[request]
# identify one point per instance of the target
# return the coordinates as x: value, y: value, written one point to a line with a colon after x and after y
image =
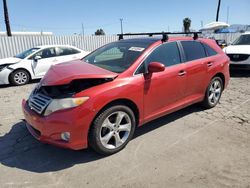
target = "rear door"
x: 196, y: 67
x: 163, y: 90
x: 65, y: 54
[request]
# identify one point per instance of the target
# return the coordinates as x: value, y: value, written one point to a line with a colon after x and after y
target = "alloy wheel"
x: 115, y: 130
x: 214, y: 92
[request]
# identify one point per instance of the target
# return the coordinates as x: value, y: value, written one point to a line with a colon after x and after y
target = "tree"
x: 186, y: 24
x: 6, y: 17
x: 99, y: 32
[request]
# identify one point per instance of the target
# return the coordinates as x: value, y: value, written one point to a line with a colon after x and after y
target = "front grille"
x: 38, y: 102
x: 238, y: 57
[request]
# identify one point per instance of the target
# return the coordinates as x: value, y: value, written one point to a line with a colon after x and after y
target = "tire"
x: 213, y: 93
x: 107, y: 136
x: 19, y: 77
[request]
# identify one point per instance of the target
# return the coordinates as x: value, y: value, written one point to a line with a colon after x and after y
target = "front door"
x: 163, y: 90
x: 47, y: 57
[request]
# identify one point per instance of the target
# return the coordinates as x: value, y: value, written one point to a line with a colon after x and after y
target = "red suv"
x: 98, y: 101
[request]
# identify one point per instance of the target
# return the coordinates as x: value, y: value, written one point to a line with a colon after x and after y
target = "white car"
x: 34, y: 63
x: 239, y: 52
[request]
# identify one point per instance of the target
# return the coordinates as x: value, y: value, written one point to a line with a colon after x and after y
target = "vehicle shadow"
x: 237, y: 73
x: 20, y: 150
x: 9, y: 85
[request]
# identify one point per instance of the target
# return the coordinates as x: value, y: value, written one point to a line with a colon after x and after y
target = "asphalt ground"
x: 189, y: 148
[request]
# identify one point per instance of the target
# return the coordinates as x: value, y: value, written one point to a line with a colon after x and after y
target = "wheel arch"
x: 122, y: 101
x: 126, y: 102
x: 222, y: 76
x: 17, y: 70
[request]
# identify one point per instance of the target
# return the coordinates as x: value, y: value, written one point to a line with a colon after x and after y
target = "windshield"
x: 26, y: 53
x: 242, y: 40
x: 116, y: 57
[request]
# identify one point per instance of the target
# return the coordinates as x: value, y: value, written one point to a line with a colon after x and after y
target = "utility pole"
x: 121, y: 20
x: 227, y: 14
x: 82, y: 30
x: 218, y: 11
x: 6, y: 17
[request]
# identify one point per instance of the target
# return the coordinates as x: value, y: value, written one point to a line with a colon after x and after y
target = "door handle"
x: 209, y: 64
x: 182, y: 73
x: 55, y: 60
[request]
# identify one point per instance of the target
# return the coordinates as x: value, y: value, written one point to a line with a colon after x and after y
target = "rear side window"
x: 210, y: 51
x: 167, y: 54
x: 193, y: 50
x: 61, y: 51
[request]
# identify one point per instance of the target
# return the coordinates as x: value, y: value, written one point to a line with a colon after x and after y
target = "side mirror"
x: 36, y: 58
x: 155, y: 67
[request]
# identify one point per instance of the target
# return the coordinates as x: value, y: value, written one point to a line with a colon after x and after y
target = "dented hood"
x: 64, y: 73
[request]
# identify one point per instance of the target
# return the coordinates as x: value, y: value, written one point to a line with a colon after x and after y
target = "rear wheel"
x: 112, y: 130
x: 19, y: 77
x: 213, y: 93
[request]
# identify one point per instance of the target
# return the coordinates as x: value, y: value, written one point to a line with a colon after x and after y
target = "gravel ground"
x: 189, y: 148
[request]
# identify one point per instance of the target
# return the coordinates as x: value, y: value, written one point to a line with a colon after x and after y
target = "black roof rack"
x: 164, y: 34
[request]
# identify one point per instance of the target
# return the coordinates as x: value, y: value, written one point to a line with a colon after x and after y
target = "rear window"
x: 210, y: 51
x: 193, y: 50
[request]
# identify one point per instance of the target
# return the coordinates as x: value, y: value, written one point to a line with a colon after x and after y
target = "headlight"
x: 60, y: 104
x: 4, y: 66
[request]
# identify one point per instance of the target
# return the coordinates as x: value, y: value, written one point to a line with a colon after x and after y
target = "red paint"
x: 154, y: 94
x: 155, y: 67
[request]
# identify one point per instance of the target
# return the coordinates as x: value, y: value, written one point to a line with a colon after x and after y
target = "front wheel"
x: 213, y: 93
x: 112, y: 130
x: 19, y: 77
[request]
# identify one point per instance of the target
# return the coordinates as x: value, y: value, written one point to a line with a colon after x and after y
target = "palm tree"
x: 218, y: 11
x: 6, y: 16
x: 186, y: 24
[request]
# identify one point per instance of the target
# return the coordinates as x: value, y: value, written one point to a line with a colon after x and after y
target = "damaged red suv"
x: 98, y: 101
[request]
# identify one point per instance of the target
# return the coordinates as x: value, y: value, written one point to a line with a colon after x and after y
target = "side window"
x: 46, y: 53
x: 167, y: 54
x: 193, y: 50
x: 61, y: 51
x: 210, y: 51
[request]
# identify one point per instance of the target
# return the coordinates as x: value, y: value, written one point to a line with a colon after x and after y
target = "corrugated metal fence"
x: 9, y: 46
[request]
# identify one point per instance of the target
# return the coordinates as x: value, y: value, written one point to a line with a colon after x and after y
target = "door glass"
x: 46, y: 53
x: 193, y: 50
x: 167, y: 54
x: 209, y: 50
x: 61, y: 51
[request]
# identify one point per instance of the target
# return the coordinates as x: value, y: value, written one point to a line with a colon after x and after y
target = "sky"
x: 66, y: 17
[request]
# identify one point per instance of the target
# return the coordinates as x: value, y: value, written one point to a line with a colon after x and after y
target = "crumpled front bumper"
x: 49, y: 129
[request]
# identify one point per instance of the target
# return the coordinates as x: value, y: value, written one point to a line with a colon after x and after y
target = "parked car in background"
x: 239, y: 52
x: 221, y: 43
x: 98, y: 101
x: 34, y: 63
